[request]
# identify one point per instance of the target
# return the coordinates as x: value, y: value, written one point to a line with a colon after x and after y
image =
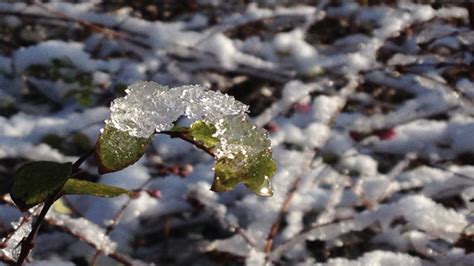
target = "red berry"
x: 302, y: 107
x: 386, y: 134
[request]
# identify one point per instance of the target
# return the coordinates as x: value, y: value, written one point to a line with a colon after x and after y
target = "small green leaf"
x: 203, y: 133
x: 226, y: 176
x: 199, y: 133
x: 260, y: 171
x: 83, y: 187
x: 61, y: 207
x: 255, y: 174
x: 35, y: 182
x: 117, y: 149
x: 250, y: 161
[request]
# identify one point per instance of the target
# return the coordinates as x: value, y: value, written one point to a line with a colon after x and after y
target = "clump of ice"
x: 87, y: 230
x: 468, y: 197
x: 255, y: 258
x: 378, y: 258
x: 238, y: 136
x: 13, y: 247
x: 149, y: 107
x: 362, y: 164
x: 43, y: 53
x: 436, y: 219
x: 223, y: 48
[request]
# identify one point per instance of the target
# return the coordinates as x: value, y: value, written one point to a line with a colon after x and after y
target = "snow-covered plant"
x: 218, y: 125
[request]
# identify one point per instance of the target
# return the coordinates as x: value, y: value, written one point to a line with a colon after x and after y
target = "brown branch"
x: 116, y: 256
x: 115, y: 222
x: 344, y: 94
x: 81, y: 160
x: 182, y: 135
x: 28, y: 243
x: 301, y: 236
x: 229, y: 224
x: 6, y: 260
x: 94, y: 27
x: 23, y: 220
x: 283, y: 211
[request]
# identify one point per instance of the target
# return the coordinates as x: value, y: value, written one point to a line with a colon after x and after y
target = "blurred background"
x: 369, y: 106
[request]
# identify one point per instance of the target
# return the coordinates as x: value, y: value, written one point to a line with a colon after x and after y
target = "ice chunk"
x: 13, y: 247
x: 43, y: 53
x: 224, y: 49
x: 378, y: 258
x: 149, y: 107
x: 238, y: 136
x: 85, y: 229
x: 435, y: 219
x: 468, y: 197
x: 255, y: 258
x: 241, y: 147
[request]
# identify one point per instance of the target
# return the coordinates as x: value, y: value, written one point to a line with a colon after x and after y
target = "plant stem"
x: 81, y: 160
x: 28, y: 243
x: 114, y: 223
x: 182, y: 135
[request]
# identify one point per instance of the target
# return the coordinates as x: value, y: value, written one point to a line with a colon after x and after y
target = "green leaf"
x: 242, y: 151
x: 255, y: 174
x: 260, y: 171
x: 203, y: 133
x: 83, y: 187
x: 35, y: 182
x: 61, y: 207
x: 226, y: 176
x: 249, y: 157
x: 117, y: 149
x: 200, y: 133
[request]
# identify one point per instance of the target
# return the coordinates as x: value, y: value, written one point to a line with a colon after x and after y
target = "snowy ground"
x: 370, y: 111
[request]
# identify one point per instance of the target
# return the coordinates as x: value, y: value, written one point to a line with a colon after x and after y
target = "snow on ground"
x: 369, y: 109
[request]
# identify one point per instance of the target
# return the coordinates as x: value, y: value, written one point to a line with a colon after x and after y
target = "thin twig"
x: 94, y: 27
x: 81, y: 160
x: 115, y: 221
x: 301, y: 236
x: 239, y: 230
x: 6, y: 260
x: 116, y: 256
x: 23, y: 220
x: 28, y: 243
x: 281, y: 215
x: 182, y: 135
x: 228, y: 223
x: 344, y: 94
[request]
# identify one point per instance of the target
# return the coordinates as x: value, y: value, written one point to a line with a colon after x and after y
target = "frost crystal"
x: 13, y: 247
x: 87, y: 230
x: 239, y: 137
x: 149, y: 107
